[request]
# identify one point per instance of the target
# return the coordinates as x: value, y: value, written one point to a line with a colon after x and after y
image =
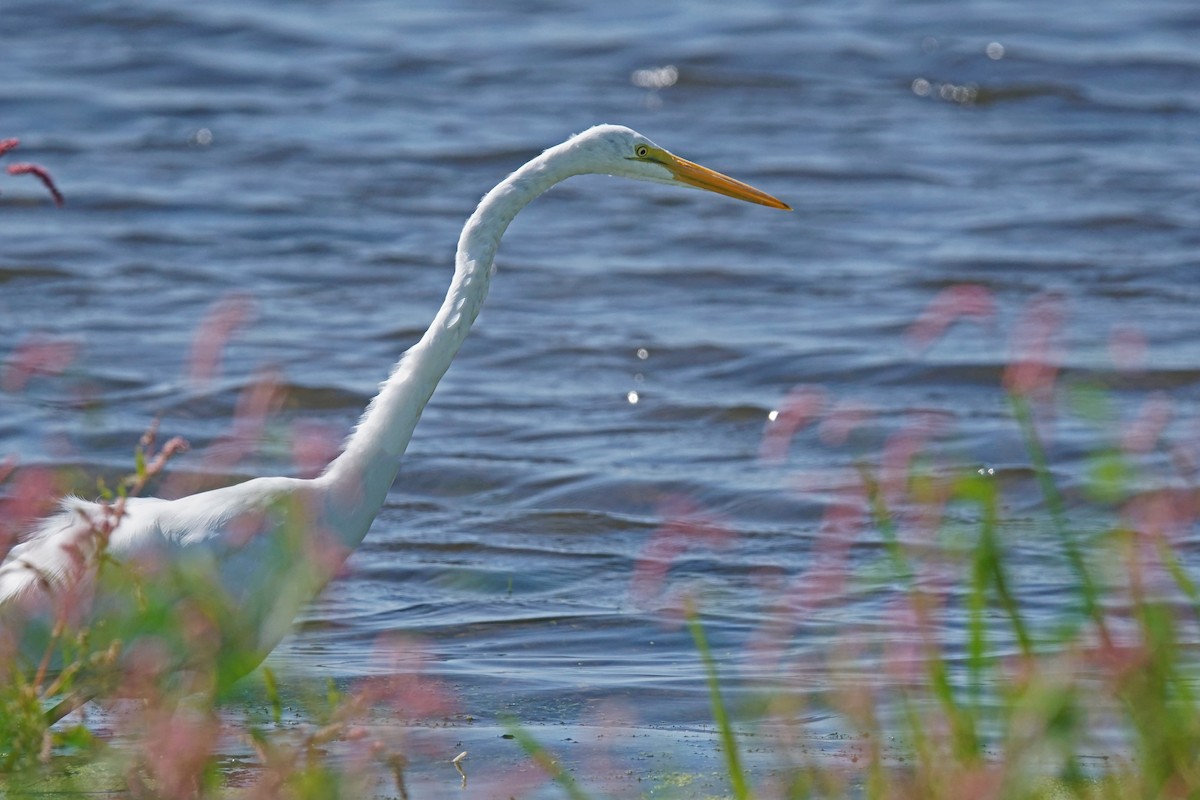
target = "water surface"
x: 313, y: 163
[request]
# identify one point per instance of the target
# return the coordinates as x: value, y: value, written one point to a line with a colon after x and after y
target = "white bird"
x: 233, y: 566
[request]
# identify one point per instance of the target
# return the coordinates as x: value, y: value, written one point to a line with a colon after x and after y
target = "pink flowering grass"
x: 965, y: 687
x: 36, y: 170
x: 957, y: 685
x: 975, y: 693
x: 1015, y: 720
x: 172, y: 733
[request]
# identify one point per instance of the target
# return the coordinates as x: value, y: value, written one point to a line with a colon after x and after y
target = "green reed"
x: 1014, y: 717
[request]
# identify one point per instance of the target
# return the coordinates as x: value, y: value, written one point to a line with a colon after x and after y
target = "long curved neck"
x: 359, y: 478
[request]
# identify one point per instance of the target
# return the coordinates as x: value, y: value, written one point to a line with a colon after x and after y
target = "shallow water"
x: 314, y: 163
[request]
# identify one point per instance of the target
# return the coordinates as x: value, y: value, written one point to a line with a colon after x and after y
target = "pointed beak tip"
x: 770, y: 201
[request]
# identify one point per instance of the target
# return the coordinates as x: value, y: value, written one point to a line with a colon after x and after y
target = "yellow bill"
x: 704, y: 178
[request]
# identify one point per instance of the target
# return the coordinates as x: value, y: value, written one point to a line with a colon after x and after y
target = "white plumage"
x: 246, y: 558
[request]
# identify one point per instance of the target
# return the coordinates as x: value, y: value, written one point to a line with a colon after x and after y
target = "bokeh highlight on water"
x: 310, y: 166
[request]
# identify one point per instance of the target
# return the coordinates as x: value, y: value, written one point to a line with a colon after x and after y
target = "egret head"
x: 617, y: 150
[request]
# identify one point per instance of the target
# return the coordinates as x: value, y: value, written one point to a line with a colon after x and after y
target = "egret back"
x: 213, y: 579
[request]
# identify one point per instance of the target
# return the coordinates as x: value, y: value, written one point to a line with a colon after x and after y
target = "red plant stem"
x: 38, y: 172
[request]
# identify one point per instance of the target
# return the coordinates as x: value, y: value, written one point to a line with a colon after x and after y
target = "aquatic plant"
x: 963, y: 686
x: 36, y: 170
x: 167, y: 740
x: 967, y: 686
x: 978, y: 691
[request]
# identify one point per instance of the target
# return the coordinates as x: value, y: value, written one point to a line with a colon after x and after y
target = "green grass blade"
x: 1057, y: 510
x: 545, y: 760
x: 887, y: 527
x: 737, y: 778
x: 977, y: 621
x: 273, y: 694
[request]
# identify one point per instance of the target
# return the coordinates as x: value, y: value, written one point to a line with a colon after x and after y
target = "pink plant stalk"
x: 824, y: 583
x: 802, y: 405
x: 1127, y: 348
x: 174, y: 749
x: 1036, y: 353
x: 314, y: 445
x: 253, y: 409
x: 224, y: 319
x: 30, y: 496
x: 685, y: 526
x: 1146, y: 431
x: 900, y: 451
x: 965, y: 301
x: 827, y: 579
x: 36, y: 356
x: 404, y: 685
x: 36, y: 170
x: 842, y: 419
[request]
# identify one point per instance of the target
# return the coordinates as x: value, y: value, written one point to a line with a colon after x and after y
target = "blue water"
x: 315, y: 161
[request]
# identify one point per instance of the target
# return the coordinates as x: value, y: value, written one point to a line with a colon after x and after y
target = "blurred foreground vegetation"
x: 974, y: 691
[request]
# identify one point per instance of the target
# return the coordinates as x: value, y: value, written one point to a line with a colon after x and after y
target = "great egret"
x: 244, y: 559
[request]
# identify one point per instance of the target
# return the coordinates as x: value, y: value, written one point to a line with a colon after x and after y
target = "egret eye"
x: 641, y: 151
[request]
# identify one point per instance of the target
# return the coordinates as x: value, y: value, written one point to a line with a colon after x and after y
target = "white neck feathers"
x: 361, y: 476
